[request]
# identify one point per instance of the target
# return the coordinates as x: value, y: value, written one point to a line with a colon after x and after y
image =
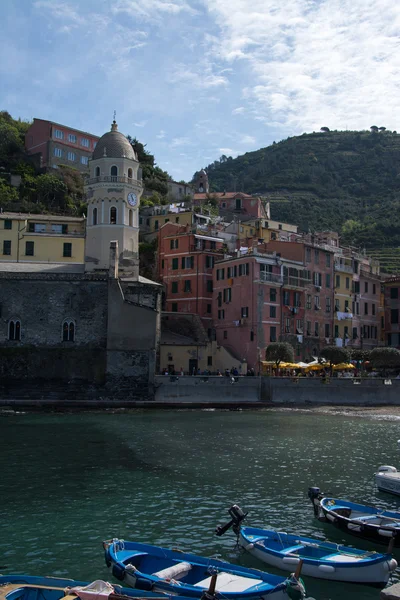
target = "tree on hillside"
x: 325, y: 129
x: 385, y: 358
x: 279, y: 352
x: 335, y: 355
x: 382, y: 128
x: 374, y: 129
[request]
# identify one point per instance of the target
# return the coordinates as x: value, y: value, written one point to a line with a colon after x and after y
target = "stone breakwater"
x: 204, y: 391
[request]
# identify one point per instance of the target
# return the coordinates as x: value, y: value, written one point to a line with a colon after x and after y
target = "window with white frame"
x: 84, y: 160
x: 71, y: 156
x: 58, y: 152
x: 58, y: 134
x: 85, y: 142
x: 72, y: 138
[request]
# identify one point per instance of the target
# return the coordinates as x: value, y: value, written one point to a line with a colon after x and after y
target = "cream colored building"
x: 185, y: 345
x: 265, y: 229
x: 42, y: 238
x: 113, y: 194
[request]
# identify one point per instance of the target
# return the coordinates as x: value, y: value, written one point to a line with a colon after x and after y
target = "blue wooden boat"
x: 320, y: 559
x: 27, y: 587
x: 163, y: 570
x: 368, y: 522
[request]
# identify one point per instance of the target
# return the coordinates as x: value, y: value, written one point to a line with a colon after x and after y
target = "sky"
x: 197, y: 79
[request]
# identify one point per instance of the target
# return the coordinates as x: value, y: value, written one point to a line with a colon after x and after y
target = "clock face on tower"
x: 132, y: 199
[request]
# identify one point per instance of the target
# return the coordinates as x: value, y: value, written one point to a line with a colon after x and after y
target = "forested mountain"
x: 348, y: 181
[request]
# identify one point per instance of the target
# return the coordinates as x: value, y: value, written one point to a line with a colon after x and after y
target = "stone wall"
x: 42, y: 304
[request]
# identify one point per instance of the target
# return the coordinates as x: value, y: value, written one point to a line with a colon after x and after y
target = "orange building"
x: 185, y: 267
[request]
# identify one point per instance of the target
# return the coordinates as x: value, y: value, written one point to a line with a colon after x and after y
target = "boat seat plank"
x: 229, y: 582
x: 343, y: 558
x: 292, y: 549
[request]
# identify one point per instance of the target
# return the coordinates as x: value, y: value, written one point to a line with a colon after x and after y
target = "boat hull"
x: 388, y: 482
x: 376, y: 575
x: 244, y: 584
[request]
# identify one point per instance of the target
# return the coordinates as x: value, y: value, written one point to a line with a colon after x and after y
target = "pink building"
x: 56, y: 144
x: 247, y: 305
x: 234, y: 203
x: 185, y: 267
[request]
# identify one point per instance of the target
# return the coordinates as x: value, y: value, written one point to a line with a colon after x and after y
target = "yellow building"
x: 149, y: 225
x: 266, y: 230
x: 343, y: 298
x: 185, y: 346
x: 42, y: 238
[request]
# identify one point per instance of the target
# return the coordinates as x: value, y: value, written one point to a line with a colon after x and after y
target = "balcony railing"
x: 343, y: 268
x: 273, y: 277
x: 114, y: 179
x: 198, y: 248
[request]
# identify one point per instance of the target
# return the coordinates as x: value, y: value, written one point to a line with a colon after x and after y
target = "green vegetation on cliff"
x: 348, y: 181
x: 59, y: 190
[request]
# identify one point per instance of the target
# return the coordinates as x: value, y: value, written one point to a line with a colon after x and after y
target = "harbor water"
x: 69, y: 481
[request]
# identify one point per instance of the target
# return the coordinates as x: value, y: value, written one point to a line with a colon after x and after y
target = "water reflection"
x: 69, y: 481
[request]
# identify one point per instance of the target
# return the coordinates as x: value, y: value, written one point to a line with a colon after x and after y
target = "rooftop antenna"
x: 115, y: 115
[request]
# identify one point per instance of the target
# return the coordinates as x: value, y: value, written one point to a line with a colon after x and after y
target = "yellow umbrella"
x: 342, y: 366
x: 317, y: 367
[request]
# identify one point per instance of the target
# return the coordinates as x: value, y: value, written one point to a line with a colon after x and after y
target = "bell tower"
x: 113, y: 193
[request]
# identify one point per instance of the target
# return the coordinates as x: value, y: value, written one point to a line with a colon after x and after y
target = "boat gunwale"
x: 368, y: 562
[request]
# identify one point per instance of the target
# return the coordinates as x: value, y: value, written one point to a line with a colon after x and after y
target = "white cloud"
x: 248, y: 139
x: 152, y: 10
x: 239, y: 110
x: 180, y: 141
x: 161, y: 135
x: 140, y: 124
x: 331, y: 62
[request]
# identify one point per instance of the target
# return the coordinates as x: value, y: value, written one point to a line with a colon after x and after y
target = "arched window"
x: 14, y: 330
x: 94, y: 218
x: 97, y: 172
x: 130, y: 218
x: 113, y: 215
x: 114, y: 173
x: 130, y: 173
x: 68, y: 331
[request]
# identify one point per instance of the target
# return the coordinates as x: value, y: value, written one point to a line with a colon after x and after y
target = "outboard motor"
x: 315, y: 495
x: 237, y: 517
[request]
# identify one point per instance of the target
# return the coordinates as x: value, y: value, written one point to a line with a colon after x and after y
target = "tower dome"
x: 113, y: 144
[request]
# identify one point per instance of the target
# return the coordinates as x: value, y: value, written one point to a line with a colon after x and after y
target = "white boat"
x: 387, y: 479
x: 315, y: 558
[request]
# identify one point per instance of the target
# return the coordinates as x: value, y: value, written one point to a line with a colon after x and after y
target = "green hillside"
x: 57, y: 190
x: 348, y: 181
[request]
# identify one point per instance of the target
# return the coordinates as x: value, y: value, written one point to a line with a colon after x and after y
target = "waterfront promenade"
x: 209, y: 391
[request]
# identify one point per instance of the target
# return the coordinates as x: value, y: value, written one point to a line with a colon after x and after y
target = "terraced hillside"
x: 348, y: 181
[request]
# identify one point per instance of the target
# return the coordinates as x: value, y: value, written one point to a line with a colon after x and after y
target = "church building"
x: 84, y: 331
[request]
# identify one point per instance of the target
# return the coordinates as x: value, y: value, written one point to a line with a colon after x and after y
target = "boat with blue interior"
x: 28, y: 587
x: 375, y: 524
x: 162, y: 570
x: 318, y: 558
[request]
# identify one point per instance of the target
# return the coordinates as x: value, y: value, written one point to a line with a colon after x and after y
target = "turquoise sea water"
x: 68, y: 481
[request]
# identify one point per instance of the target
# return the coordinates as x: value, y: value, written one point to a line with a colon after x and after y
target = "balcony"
x: 114, y: 179
x: 271, y: 277
x: 343, y: 268
x: 200, y: 248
